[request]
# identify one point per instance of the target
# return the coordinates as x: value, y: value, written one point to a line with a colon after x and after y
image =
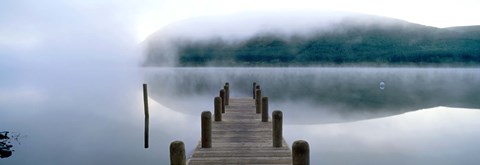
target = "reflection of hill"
x: 438, y: 135
x: 319, y: 95
x: 368, y: 39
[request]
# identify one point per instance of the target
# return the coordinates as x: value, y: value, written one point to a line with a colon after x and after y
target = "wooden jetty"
x: 241, y: 132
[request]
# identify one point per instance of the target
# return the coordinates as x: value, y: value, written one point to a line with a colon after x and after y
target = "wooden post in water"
x: 258, y: 101
x: 145, y: 100
x: 147, y: 116
x: 300, y: 153
x: 227, y: 91
x: 177, y: 153
x: 218, y: 108
x: 277, y: 120
x: 254, y: 87
x: 206, y: 129
x: 264, y: 109
x: 145, y: 135
x: 222, y: 95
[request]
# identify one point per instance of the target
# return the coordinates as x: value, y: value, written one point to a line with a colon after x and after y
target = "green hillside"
x: 353, y: 44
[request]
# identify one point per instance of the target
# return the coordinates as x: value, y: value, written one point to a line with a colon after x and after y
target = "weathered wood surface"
x: 241, y: 138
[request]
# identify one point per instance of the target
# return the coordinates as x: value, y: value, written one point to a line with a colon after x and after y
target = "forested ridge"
x: 411, y: 44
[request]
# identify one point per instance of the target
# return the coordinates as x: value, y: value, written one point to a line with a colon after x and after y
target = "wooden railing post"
x: 258, y: 101
x: 227, y: 93
x: 222, y: 95
x: 277, y: 120
x: 206, y: 129
x: 177, y: 153
x: 264, y: 109
x: 253, y: 89
x: 300, y: 153
x: 218, y: 108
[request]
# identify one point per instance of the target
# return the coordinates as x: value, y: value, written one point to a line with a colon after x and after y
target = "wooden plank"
x: 241, y: 138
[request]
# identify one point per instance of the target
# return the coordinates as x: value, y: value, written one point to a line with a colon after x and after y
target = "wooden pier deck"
x: 241, y: 138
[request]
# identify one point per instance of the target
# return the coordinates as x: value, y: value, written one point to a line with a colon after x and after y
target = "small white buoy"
x: 382, y: 85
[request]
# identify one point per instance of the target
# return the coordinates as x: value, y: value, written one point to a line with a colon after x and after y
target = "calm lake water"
x: 320, y: 95
x: 348, y: 115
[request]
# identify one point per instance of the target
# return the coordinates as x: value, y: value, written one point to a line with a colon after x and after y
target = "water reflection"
x: 437, y: 136
x: 323, y: 94
x: 382, y: 85
x: 85, y: 117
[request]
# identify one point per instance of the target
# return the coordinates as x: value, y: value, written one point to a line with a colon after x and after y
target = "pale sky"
x: 86, y: 29
x: 438, y: 13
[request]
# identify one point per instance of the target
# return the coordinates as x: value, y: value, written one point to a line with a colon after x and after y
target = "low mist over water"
x: 319, y: 95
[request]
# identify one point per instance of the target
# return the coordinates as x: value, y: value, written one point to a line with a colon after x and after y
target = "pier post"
x: 253, y: 89
x: 258, y: 101
x: 277, y: 120
x: 264, y: 109
x: 226, y: 87
x: 218, y: 108
x: 177, y: 153
x: 145, y: 100
x: 206, y: 129
x: 147, y: 116
x: 300, y: 153
x: 222, y: 95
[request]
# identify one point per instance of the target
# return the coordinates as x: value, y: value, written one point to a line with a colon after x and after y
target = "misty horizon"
x: 309, y: 39
x: 341, y: 71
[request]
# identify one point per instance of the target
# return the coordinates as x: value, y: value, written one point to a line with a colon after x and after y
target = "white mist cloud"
x: 432, y: 13
x: 110, y: 30
x: 28, y: 95
x: 72, y: 33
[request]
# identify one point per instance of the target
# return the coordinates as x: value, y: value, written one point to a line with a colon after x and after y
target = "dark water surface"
x: 95, y: 115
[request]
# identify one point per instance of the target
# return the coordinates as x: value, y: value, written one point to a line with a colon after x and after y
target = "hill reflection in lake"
x: 319, y: 95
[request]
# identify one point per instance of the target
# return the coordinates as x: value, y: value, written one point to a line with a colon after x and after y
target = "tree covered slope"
x: 369, y: 40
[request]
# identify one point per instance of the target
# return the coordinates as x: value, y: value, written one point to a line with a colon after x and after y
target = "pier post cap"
x: 277, y: 114
x: 144, y: 84
x: 264, y: 99
x: 257, y: 87
x: 206, y: 114
x: 227, y: 84
x: 218, y: 98
x: 176, y: 145
x: 300, y: 146
x: 222, y: 91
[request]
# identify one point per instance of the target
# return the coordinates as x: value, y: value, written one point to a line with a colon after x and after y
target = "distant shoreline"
x: 346, y: 65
